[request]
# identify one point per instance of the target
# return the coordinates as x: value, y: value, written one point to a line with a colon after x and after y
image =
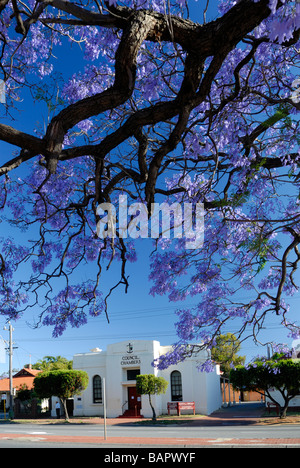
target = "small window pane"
x: 132, y: 373
x: 176, y: 386
x: 97, y: 389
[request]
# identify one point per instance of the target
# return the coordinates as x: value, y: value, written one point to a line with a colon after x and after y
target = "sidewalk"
x: 244, y: 414
x: 129, y: 443
x: 241, y: 414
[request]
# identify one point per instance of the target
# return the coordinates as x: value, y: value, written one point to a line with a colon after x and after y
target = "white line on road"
x: 38, y: 433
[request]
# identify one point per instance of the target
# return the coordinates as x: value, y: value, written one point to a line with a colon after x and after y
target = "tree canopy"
x: 149, y: 384
x: 164, y: 101
x: 50, y: 363
x: 63, y: 384
x: 225, y: 352
x: 266, y: 375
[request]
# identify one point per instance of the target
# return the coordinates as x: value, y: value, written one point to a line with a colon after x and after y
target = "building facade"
x: 23, y: 378
x: 120, y: 364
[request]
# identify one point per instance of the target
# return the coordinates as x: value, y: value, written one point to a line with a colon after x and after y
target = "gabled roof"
x: 27, y: 372
x: 23, y: 377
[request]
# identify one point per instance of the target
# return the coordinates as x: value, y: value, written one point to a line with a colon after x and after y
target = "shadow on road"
x: 238, y: 414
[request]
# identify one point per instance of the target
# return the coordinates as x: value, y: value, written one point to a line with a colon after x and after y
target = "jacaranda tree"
x: 175, y: 101
x: 277, y: 378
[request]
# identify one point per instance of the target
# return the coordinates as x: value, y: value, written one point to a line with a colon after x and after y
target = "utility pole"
x: 10, y: 353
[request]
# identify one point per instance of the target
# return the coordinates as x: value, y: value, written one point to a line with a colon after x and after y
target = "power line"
x: 96, y: 337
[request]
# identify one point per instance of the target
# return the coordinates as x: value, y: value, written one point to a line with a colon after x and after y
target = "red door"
x: 134, y: 400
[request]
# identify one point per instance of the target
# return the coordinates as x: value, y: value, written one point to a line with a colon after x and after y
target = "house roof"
x: 23, y: 377
x: 27, y: 372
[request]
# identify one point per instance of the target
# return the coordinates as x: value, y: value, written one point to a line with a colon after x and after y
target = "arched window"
x: 97, y: 389
x: 176, y: 386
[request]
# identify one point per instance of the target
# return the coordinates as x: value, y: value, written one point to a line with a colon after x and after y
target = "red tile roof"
x: 23, y: 377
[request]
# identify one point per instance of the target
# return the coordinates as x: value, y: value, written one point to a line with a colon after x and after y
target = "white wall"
x: 94, y: 363
x: 278, y: 397
x: 201, y: 387
x: 214, y: 393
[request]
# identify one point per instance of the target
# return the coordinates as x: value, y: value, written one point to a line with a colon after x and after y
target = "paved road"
x: 134, y: 431
x: 184, y: 434
x: 234, y: 427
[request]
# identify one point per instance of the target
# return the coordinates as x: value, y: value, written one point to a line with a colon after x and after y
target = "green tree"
x: 264, y: 375
x: 25, y: 396
x: 148, y: 384
x: 61, y: 383
x: 225, y: 352
x: 53, y: 363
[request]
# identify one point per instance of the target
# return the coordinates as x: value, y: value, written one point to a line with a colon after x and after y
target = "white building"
x: 120, y: 364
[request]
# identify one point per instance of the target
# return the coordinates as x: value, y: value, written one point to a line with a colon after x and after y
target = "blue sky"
x: 136, y: 315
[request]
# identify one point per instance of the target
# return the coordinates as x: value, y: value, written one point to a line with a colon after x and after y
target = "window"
x: 132, y: 373
x: 176, y: 386
x: 97, y: 389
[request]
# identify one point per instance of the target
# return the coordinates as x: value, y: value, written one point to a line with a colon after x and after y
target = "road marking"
x: 25, y: 438
x: 221, y: 439
x: 37, y: 433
